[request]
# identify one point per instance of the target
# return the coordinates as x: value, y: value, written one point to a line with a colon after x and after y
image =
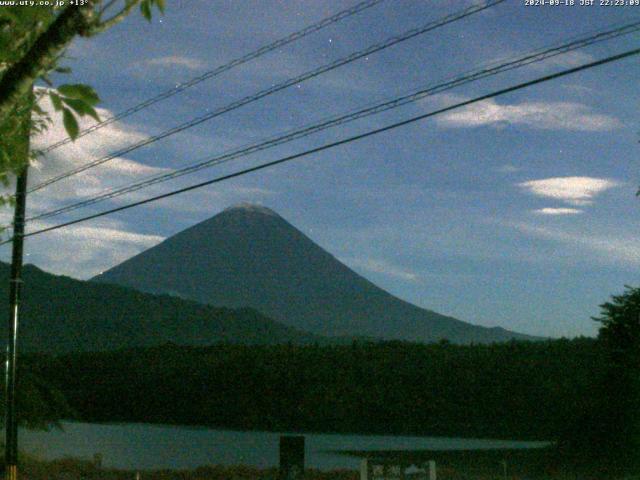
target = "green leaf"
x: 145, y: 8
x: 161, y: 5
x: 62, y: 69
x: 92, y: 113
x: 70, y: 123
x: 81, y: 107
x: 80, y: 91
x: 55, y: 101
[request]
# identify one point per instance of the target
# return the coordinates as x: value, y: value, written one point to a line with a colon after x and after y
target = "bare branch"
x: 107, y: 6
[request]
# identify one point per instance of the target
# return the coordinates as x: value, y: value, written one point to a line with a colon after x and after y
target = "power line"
x: 276, y: 88
x: 344, y: 141
x: 223, y: 68
x: 518, y: 62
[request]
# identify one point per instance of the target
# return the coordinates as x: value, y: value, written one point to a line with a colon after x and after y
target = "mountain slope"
x: 249, y: 256
x: 60, y: 314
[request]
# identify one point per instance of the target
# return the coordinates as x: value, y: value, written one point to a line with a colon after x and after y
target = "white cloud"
x: 558, y: 211
x: 382, y: 266
x: 538, y: 115
x: 83, y: 251
x: 571, y: 190
x: 189, y: 63
x: 86, y: 149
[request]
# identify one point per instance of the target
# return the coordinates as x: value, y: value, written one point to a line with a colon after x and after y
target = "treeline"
x: 520, y: 390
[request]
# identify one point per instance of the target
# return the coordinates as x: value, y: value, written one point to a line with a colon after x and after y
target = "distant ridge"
x: 61, y: 315
x: 249, y: 256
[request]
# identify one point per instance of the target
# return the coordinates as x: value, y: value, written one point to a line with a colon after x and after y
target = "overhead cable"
x: 517, y: 62
x: 344, y: 141
x: 414, y: 32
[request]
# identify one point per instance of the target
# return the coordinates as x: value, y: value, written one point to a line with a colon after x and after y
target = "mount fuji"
x: 249, y: 256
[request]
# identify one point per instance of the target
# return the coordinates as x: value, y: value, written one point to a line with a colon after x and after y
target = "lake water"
x: 143, y: 446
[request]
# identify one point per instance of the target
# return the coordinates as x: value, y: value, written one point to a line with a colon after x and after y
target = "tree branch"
x: 115, y: 19
x: 19, y: 77
x: 107, y: 6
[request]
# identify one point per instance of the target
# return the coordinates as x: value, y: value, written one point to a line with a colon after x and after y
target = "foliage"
x: 33, y: 40
x: 41, y: 406
x: 79, y: 99
x: 607, y: 433
x: 620, y: 330
x: 583, y: 392
x: 515, y: 390
x: 620, y: 387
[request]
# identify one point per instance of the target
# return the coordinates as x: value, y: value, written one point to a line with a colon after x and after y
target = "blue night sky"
x: 519, y: 212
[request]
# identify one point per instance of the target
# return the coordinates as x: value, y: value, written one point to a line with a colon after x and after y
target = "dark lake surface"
x: 144, y: 446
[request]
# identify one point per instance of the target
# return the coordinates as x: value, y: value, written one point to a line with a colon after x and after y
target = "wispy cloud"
x: 508, y: 168
x: 558, y: 211
x: 207, y: 200
x: 93, y: 181
x: 538, y: 115
x: 571, y: 190
x: 609, y: 249
x: 382, y: 266
x: 83, y: 251
x: 189, y: 63
x: 566, y: 60
x: 115, y: 173
x: 579, y: 89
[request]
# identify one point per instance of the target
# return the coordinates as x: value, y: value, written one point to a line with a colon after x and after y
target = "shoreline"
x: 198, y: 428
x: 78, y: 469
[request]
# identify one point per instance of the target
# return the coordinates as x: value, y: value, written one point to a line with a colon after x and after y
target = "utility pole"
x: 15, y: 297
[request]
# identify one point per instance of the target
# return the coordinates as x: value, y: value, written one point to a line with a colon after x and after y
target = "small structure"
x: 421, y: 464
x: 390, y: 469
x: 291, y: 457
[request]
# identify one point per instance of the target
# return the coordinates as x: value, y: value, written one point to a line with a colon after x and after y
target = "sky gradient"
x: 518, y: 212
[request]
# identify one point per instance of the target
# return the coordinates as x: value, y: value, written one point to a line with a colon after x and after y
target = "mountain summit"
x: 249, y: 256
